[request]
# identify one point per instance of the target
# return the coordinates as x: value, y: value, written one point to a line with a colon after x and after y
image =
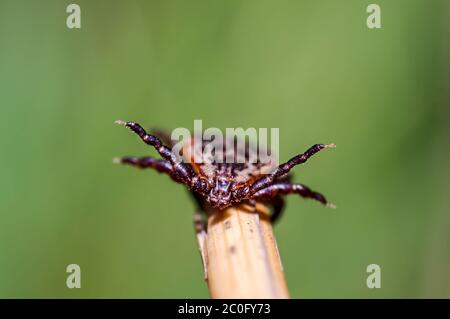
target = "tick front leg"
x: 287, y: 188
x: 162, y: 166
x: 183, y: 171
x: 162, y: 135
x: 286, y: 167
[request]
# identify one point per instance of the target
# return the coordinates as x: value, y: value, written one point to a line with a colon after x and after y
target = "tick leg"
x: 163, y: 136
x: 278, y: 206
x: 286, y: 167
x: 287, y: 188
x: 200, y: 234
x: 160, y: 165
x: 182, y: 171
x: 199, y: 222
x: 198, y: 201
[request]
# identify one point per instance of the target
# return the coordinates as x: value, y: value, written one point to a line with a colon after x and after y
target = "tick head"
x: 220, y: 195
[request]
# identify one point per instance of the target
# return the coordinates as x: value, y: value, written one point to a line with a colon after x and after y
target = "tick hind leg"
x: 200, y: 223
x: 200, y: 227
x: 280, y: 189
x: 278, y: 208
x: 200, y: 234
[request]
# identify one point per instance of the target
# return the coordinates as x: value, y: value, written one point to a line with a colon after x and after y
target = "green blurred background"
x: 311, y: 68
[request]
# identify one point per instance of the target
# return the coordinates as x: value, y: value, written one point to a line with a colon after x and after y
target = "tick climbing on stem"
x: 220, y: 185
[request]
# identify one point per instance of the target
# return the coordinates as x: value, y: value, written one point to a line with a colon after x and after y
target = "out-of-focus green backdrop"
x: 311, y: 68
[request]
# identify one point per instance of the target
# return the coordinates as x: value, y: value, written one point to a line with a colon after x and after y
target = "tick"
x: 220, y: 185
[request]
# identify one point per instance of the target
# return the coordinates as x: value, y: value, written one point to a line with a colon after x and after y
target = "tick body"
x: 220, y: 185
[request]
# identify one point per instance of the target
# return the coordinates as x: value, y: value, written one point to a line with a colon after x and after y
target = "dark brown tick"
x: 221, y: 185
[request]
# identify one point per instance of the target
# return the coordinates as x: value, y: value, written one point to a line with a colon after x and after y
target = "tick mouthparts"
x: 332, y: 145
x: 120, y: 122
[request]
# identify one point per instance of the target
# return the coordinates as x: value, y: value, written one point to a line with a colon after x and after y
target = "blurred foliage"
x: 311, y: 68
